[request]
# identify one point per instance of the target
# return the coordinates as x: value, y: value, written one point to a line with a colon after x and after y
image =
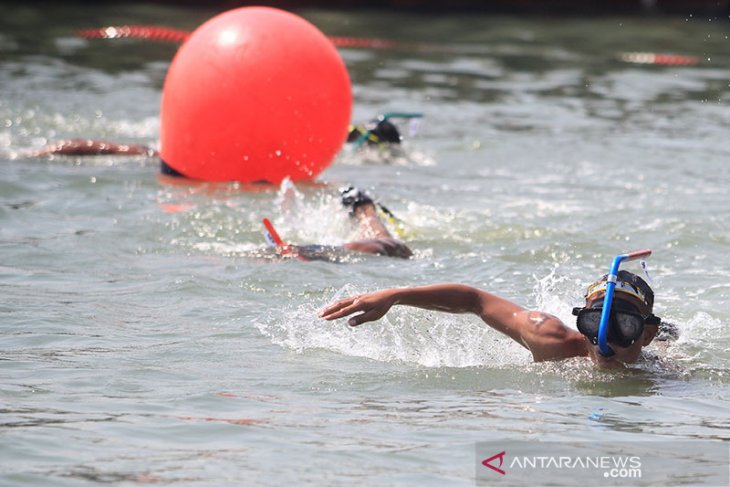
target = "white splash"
x: 311, y: 218
x: 404, y: 335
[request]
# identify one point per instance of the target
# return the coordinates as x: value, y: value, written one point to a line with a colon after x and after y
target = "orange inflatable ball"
x: 254, y: 94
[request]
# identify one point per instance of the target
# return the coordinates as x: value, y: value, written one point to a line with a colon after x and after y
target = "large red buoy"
x: 255, y: 94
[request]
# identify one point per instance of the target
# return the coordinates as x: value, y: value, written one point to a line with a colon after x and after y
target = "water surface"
x: 149, y: 337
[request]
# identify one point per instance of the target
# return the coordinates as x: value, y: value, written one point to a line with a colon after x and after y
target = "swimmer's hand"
x: 372, y: 305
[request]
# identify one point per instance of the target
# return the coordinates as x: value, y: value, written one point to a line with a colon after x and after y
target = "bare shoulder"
x: 543, y: 334
x: 545, y: 323
x: 548, y: 338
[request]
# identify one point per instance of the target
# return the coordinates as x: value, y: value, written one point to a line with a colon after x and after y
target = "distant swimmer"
x: 381, y: 131
x: 378, y: 132
x: 629, y: 326
x: 374, y: 237
x: 90, y: 147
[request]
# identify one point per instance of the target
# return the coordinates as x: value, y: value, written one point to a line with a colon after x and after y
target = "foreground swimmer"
x: 633, y: 326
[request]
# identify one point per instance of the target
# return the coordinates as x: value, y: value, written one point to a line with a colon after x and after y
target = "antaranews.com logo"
x: 631, y: 463
x: 614, y: 466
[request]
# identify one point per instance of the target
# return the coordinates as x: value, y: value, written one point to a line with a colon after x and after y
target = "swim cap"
x: 627, y: 283
x: 375, y: 132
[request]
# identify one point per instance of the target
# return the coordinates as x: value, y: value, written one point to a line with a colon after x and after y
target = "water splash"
x: 311, y: 218
x: 554, y: 292
x: 404, y: 335
x: 702, y: 346
x: 386, y: 156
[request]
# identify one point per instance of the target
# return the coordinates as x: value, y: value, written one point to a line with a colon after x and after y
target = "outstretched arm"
x: 543, y: 334
x: 450, y: 298
x: 89, y: 147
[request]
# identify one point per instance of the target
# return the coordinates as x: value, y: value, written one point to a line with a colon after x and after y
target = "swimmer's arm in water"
x: 88, y: 147
x: 544, y: 335
x: 390, y: 247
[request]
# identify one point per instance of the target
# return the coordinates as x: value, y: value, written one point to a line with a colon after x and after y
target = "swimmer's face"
x: 622, y: 355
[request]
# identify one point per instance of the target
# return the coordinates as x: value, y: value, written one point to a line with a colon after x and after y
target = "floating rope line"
x: 150, y: 32
x: 157, y: 33
x: 167, y: 34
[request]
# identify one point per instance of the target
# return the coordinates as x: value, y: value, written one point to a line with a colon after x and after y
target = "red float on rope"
x: 660, y: 59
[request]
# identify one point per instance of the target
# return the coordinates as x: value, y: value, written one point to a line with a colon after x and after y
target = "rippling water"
x: 148, y: 336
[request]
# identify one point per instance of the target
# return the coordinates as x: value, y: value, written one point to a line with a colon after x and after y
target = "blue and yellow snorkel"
x: 603, y: 347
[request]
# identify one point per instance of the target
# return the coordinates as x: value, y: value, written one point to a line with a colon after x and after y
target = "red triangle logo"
x: 487, y: 463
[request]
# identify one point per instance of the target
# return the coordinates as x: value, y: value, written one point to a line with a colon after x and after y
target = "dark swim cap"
x: 627, y: 283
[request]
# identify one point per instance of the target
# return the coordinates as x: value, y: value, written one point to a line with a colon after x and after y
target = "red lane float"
x: 659, y: 59
x: 254, y: 94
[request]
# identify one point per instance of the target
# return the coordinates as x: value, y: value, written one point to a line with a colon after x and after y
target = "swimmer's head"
x: 375, y: 132
x: 629, y: 287
x: 633, y: 290
x: 386, y: 132
x: 632, y: 325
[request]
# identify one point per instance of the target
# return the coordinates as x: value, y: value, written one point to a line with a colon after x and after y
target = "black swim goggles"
x: 625, y: 324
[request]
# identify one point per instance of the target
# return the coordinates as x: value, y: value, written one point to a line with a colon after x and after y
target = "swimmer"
x: 632, y: 326
x: 374, y: 236
x: 89, y: 147
x: 380, y: 131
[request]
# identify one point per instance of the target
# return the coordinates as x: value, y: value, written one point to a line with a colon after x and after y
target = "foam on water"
x: 405, y: 335
x: 702, y: 347
x: 317, y: 217
x: 397, y: 156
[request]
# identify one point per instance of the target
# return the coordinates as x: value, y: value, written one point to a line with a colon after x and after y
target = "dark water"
x: 148, y: 337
